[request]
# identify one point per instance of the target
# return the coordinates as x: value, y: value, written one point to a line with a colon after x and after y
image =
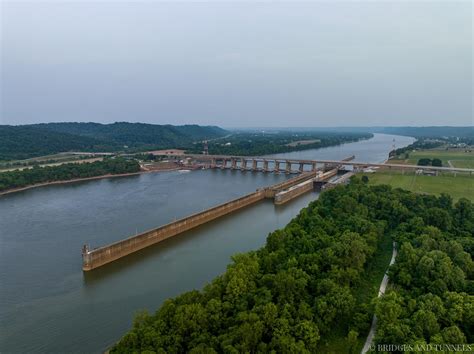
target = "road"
x: 383, y: 286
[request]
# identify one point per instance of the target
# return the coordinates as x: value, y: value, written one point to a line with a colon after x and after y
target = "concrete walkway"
x: 383, y: 286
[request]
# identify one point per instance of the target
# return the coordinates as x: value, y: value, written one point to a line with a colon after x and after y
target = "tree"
x: 365, y: 179
x: 352, y: 340
x: 424, y: 162
x: 436, y: 162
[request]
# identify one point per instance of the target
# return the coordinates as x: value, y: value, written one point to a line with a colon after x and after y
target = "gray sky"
x: 238, y: 64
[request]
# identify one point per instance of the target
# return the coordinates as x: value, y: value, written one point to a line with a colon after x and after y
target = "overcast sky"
x: 238, y: 64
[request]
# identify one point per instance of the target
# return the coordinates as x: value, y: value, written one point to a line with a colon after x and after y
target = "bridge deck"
x: 337, y: 162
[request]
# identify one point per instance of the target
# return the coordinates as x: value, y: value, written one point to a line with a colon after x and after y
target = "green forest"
x: 64, y: 172
x: 306, y: 289
x: 247, y: 143
x: 26, y: 141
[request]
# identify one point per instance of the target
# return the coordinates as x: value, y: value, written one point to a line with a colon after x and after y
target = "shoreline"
x: 76, y: 180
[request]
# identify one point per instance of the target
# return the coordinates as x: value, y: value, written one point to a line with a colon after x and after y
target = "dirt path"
x: 383, y: 286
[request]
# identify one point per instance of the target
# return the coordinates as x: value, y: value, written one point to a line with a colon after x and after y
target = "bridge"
x: 278, y: 165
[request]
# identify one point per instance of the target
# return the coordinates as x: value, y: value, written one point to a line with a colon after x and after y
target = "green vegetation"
x: 429, y: 162
x: 22, y: 142
x: 459, y: 186
x: 463, y: 163
x: 314, y: 282
x: 139, y: 134
x: 431, y: 298
x: 421, y: 144
x: 448, y: 157
x: 338, y: 340
x: 434, y: 153
x: 42, y: 160
x: 253, y: 143
x: 69, y: 171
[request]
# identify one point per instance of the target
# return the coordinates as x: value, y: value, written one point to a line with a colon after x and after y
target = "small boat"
x: 184, y: 171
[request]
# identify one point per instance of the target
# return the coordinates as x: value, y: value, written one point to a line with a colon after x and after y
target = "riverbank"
x: 76, y: 180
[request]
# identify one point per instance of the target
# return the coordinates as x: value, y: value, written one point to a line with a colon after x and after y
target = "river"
x: 47, y: 304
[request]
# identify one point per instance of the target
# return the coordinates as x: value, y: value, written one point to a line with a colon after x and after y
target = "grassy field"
x: 455, y: 158
x: 457, y: 187
x: 463, y: 163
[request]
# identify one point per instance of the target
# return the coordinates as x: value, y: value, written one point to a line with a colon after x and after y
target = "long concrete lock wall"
x: 97, y: 257
x: 100, y: 256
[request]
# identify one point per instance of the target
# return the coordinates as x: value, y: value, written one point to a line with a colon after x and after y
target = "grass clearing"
x: 456, y: 157
x: 463, y: 163
x: 461, y: 185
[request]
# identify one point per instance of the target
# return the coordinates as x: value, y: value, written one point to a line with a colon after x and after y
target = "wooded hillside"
x: 21, y: 142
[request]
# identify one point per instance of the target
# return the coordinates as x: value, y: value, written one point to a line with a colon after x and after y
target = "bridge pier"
x: 224, y: 163
x: 288, y: 167
x: 301, y: 167
x: 243, y: 164
x: 313, y: 166
x: 213, y: 163
x: 276, y: 169
x: 265, y: 166
x: 254, y: 165
x: 233, y: 163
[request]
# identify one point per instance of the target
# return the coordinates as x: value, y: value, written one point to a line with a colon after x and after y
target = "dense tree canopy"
x: 431, y: 300
x: 429, y: 162
x: 36, y: 175
x: 291, y: 294
x: 21, y: 142
x: 417, y: 145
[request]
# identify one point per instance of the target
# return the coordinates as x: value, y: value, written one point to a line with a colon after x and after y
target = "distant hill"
x: 22, y: 142
x: 429, y: 132
x: 26, y: 141
x: 417, y: 132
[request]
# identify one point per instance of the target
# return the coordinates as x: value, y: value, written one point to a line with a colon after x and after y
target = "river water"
x: 47, y: 304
